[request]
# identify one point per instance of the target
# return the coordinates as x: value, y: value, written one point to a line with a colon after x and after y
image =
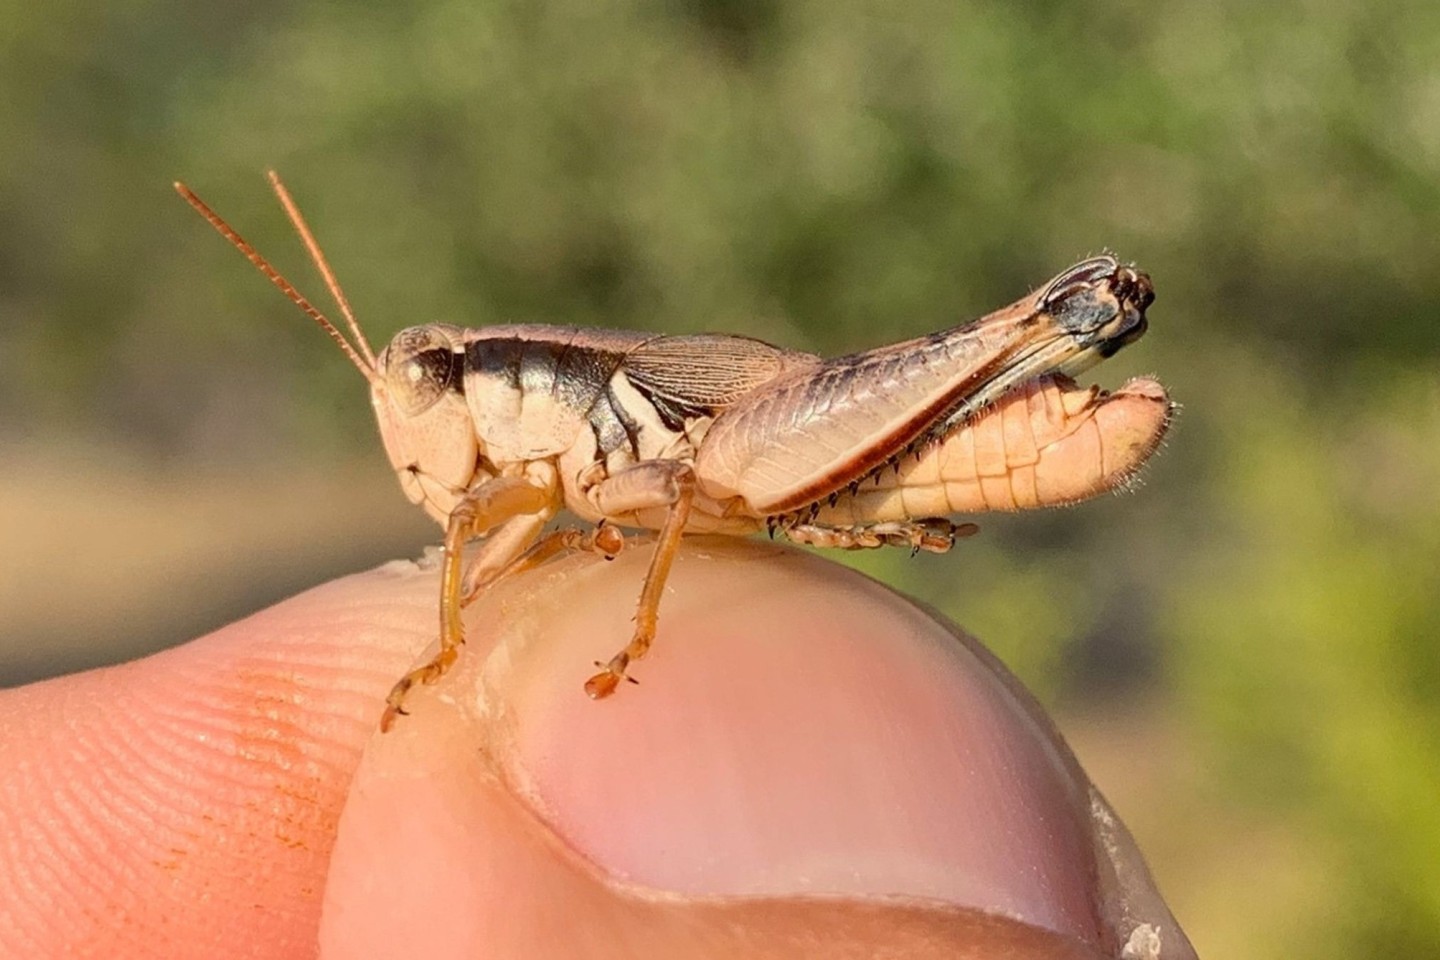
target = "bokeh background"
x: 1243, y: 651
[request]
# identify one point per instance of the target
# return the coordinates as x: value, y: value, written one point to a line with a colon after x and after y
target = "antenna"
x: 323, y: 265
x: 366, y: 363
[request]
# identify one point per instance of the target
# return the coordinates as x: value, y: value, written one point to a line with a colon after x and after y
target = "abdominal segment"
x: 1049, y: 443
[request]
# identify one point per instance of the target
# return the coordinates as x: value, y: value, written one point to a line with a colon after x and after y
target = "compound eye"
x: 420, y: 365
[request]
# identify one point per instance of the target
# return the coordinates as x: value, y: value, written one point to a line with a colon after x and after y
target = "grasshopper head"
x: 416, y: 385
x: 418, y: 393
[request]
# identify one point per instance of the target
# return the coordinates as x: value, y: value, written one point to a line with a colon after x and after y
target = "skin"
x: 814, y: 769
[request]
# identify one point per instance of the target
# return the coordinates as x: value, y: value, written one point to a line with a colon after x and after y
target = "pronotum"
x: 494, y: 431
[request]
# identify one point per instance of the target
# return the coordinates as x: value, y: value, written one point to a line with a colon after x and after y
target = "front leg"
x: 523, y: 505
x: 654, y: 483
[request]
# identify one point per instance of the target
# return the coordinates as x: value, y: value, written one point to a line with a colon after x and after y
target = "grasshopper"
x: 493, y: 431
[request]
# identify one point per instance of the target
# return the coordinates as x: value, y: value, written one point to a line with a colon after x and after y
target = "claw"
x: 387, y: 719
x: 601, y: 685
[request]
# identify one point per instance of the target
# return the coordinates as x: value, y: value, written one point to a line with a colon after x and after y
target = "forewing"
x: 705, y: 373
x: 814, y: 432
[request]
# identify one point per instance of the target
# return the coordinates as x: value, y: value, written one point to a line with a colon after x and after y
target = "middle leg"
x: 653, y: 483
x: 605, y: 540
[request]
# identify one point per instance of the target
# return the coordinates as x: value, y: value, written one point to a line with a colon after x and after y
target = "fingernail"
x: 796, y: 729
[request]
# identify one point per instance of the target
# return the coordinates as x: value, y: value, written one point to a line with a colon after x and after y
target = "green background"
x: 1243, y: 651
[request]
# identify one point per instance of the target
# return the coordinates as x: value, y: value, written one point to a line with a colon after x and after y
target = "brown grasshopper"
x: 494, y: 431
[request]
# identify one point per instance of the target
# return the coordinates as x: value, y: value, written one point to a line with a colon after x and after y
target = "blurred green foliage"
x: 831, y: 176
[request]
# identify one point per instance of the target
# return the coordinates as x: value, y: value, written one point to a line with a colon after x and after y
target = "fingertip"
x: 798, y: 733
